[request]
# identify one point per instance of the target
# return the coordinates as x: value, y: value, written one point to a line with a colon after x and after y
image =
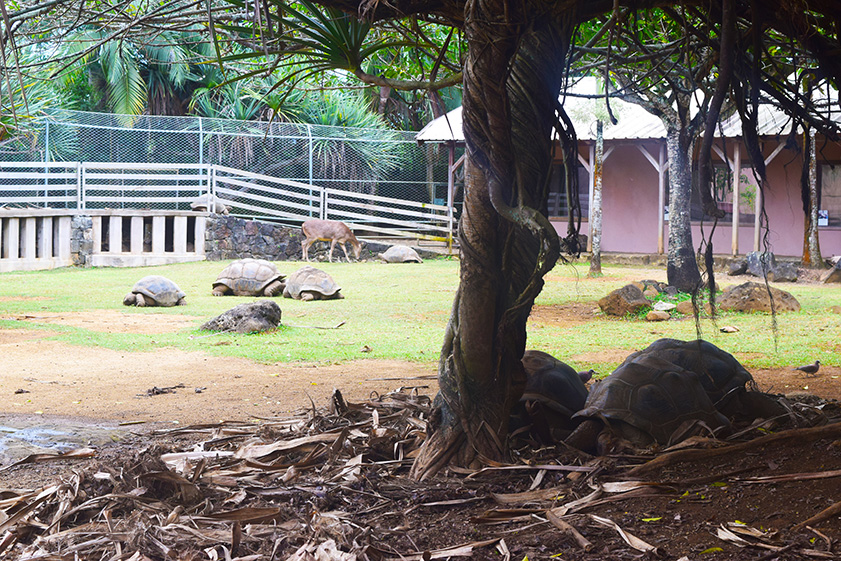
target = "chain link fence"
x: 365, y: 162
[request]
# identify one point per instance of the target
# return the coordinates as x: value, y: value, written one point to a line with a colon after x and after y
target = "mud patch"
x: 565, y: 315
x: 111, y: 321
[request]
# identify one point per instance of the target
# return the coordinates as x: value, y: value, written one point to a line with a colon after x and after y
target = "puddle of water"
x: 23, y: 436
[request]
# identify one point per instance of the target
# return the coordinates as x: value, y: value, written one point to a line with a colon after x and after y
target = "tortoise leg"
x: 273, y: 288
x: 140, y: 301
x: 307, y: 296
x: 181, y: 302
x: 220, y: 290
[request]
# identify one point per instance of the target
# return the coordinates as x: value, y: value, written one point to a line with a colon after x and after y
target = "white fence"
x: 86, y: 186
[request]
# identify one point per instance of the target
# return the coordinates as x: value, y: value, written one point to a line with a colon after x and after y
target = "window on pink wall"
x: 558, y: 206
x: 829, y: 207
x: 723, y: 186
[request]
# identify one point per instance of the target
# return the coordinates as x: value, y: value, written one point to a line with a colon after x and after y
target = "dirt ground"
x: 44, y: 377
x: 46, y: 383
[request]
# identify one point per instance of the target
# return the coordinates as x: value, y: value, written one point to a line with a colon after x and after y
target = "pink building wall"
x: 630, y: 206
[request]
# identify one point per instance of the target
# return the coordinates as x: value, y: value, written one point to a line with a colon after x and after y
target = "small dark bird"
x: 810, y: 369
x: 585, y: 375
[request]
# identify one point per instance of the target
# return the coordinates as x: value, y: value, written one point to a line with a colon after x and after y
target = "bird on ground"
x: 810, y: 369
x: 585, y: 375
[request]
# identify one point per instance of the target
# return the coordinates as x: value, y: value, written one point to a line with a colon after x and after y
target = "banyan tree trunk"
x: 512, y: 81
x: 682, y: 265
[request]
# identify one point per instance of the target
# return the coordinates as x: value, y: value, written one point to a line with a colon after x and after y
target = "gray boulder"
x: 765, y: 264
x: 250, y: 317
x: 753, y: 297
x: 623, y: 301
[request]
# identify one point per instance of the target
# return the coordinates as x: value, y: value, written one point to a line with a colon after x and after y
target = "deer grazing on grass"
x: 329, y: 231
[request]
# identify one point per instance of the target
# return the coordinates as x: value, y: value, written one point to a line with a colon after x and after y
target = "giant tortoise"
x: 645, y: 401
x: 668, y: 391
x: 400, y: 254
x: 554, y: 392
x: 720, y: 373
x: 249, y: 277
x: 309, y: 283
x: 155, y: 290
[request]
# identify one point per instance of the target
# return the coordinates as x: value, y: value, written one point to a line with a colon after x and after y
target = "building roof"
x: 633, y: 123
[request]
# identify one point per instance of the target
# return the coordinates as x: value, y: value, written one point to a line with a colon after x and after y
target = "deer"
x: 329, y: 231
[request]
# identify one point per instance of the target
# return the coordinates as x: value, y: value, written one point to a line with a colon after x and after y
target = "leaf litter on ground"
x: 332, y: 483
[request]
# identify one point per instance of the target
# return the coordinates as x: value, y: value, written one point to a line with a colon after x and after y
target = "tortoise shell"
x: 719, y: 372
x: 311, y: 282
x: 160, y: 290
x: 400, y: 254
x: 553, y: 383
x: 658, y: 399
x: 248, y: 277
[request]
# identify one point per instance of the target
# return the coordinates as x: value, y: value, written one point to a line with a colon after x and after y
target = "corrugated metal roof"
x: 633, y: 123
x: 446, y: 128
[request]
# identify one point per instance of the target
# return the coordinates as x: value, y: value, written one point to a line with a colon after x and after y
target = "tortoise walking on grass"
x: 249, y: 277
x: 155, y: 290
x: 309, y: 283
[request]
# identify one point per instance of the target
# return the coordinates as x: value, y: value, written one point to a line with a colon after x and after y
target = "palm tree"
x: 155, y: 75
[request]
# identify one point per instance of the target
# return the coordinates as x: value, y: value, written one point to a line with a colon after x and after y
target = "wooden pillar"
x: 96, y: 231
x: 737, y: 176
x: 201, y: 229
x: 661, y: 199
x: 65, y: 224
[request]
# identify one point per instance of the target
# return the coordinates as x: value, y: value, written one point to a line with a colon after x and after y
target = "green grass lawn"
x: 400, y: 312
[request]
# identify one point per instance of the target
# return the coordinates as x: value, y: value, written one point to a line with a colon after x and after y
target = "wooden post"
x: 737, y: 176
x: 451, y: 156
x: 661, y: 199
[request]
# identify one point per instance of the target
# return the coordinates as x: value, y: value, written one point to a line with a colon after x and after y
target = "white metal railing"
x: 39, y: 184
x: 90, y: 186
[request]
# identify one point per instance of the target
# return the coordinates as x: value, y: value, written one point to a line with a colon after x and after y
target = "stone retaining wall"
x: 229, y: 237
